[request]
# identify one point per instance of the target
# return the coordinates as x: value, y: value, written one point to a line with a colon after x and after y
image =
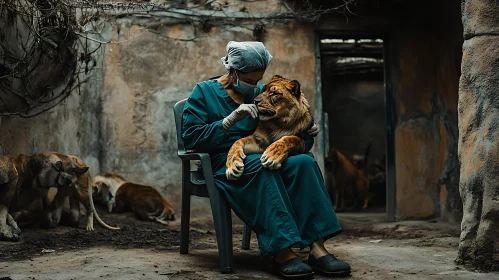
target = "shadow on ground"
x: 146, y: 250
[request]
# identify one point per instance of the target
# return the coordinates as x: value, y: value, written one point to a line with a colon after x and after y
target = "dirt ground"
x: 145, y: 250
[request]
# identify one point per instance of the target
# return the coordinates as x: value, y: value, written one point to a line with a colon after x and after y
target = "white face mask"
x: 244, y: 87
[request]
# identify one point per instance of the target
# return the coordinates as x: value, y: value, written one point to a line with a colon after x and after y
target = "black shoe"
x: 294, y: 269
x: 329, y: 265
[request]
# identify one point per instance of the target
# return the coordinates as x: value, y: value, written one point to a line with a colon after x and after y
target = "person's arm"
x: 197, y: 133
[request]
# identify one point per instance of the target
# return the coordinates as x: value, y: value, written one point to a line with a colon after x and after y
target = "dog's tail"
x: 165, y: 216
x: 92, y: 206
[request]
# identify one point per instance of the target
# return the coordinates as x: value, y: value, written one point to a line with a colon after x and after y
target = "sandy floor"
x: 375, y: 250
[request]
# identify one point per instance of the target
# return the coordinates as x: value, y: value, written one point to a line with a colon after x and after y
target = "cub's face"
x: 58, y: 170
x: 280, y: 98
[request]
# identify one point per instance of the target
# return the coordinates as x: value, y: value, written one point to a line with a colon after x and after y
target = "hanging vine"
x: 39, y: 51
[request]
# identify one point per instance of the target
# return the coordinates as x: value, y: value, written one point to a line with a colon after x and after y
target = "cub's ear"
x: 295, y: 88
x: 81, y: 170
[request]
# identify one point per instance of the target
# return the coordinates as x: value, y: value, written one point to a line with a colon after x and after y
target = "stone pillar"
x: 479, y: 136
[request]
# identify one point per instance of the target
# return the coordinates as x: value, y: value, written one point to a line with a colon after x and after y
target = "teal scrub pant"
x: 288, y: 207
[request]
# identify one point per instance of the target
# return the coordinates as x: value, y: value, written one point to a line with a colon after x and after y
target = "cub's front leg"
x: 275, y: 154
x: 237, y: 153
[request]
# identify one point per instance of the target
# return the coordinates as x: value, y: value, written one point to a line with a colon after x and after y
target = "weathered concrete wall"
x: 426, y: 133
x: 479, y: 136
x: 420, y: 149
x: 148, y: 73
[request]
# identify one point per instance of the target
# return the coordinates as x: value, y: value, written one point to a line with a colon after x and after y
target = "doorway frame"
x: 390, y: 105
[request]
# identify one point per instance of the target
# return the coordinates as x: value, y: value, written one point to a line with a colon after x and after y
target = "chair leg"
x: 221, y: 217
x: 246, y: 237
x: 223, y: 228
x: 184, y: 223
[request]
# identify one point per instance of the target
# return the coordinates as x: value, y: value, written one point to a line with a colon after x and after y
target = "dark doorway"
x: 354, y: 107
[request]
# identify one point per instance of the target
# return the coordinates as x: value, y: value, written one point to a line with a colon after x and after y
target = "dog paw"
x: 10, y: 231
x: 235, y: 164
x: 111, y: 204
x: 90, y: 223
x: 272, y: 160
x: 12, y: 223
x: 8, y: 234
x: 170, y: 215
x: 48, y: 220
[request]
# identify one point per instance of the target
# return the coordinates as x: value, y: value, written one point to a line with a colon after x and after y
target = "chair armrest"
x: 203, y: 157
x: 192, y: 156
x: 205, y: 168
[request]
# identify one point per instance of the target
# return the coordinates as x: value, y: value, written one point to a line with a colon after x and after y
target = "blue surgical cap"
x: 246, y: 56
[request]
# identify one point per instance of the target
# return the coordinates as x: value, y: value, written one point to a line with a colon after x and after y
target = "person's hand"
x: 313, y: 131
x: 246, y: 109
x: 240, y: 113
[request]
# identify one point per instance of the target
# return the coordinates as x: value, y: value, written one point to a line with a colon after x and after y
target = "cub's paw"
x: 273, y: 158
x: 235, y: 164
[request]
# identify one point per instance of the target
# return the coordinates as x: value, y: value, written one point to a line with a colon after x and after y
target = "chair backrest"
x: 177, y: 111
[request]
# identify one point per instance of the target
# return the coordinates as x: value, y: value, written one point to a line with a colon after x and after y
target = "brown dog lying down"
x: 28, y: 178
x: 146, y: 202
x: 349, y: 182
x: 284, y: 116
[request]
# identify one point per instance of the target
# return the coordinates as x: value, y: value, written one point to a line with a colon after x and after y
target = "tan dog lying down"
x: 146, y: 202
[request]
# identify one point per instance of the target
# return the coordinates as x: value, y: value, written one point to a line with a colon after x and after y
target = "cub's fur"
x: 28, y: 178
x: 146, y: 202
x: 349, y: 182
x: 284, y: 116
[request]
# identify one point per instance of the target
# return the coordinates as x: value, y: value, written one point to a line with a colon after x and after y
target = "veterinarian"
x: 288, y: 207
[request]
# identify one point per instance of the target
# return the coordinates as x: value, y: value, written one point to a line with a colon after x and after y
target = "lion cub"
x: 146, y: 202
x: 284, y: 116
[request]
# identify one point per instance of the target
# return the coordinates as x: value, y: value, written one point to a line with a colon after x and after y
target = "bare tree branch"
x: 48, y: 45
